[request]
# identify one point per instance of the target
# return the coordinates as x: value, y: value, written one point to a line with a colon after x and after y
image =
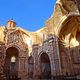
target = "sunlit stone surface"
x: 51, y: 53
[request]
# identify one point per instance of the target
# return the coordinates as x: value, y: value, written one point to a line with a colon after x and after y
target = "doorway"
x: 11, y: 63
x: 45, y: 66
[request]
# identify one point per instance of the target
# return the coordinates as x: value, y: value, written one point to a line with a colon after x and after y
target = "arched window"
x: 13, y: 59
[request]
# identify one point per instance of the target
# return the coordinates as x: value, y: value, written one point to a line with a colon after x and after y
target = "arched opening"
x: 30, y: 67
x: 69, y: 36
x: 67, y: 32
x: 45, y: 66
x: 11, y: 63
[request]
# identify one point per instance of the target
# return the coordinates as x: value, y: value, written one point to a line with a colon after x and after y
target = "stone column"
x: 55, y: 57
x: 2, y: 61
x: 35, y: 55
x: 23, y: 66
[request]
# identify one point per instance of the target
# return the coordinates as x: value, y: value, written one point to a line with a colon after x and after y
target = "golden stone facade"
x: 49, y: 53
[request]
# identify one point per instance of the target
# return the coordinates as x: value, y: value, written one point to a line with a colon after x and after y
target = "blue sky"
x: 28, y: 14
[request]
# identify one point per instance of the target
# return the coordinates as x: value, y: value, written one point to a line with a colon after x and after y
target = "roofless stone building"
x: 51, y: 51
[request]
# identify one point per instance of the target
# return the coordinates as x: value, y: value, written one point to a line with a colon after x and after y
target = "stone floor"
x: 57, y: 78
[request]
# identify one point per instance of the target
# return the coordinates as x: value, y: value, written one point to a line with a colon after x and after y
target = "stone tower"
x: 11, y: 24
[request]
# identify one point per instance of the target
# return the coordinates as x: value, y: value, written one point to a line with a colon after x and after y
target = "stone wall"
x: 2, y: 61
x: 49, y: 47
